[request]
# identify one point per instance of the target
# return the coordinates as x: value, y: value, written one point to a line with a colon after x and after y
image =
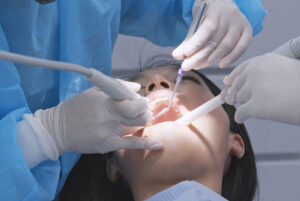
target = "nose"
x: 158, y: 82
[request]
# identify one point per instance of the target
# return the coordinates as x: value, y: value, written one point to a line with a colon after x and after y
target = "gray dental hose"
x: 290, y: 49
x: 112, y: 87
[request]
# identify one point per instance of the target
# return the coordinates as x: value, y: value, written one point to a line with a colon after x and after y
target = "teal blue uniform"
x: 80, y: 32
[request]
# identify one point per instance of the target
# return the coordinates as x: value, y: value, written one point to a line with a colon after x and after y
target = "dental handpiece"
x: 108, y: 85
x: 201, y: 110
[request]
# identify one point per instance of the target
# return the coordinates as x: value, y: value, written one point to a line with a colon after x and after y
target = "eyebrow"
x: 189, y: 77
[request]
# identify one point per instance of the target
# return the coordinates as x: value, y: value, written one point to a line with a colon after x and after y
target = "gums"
x: 159, y: 100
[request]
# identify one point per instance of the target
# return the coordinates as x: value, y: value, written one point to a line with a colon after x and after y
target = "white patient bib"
x: 187, y: 191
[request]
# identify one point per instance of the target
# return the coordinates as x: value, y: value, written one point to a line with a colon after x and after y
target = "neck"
x: 143, y: 190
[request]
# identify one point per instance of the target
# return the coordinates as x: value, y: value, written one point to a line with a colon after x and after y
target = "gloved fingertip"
x: 153, y: 144
x: 227, y: 99
x: 149, y: 115
x: 223, y: 93
x: 185, y: 66
x: 221, y: 66
x: 147, y: 100
x: 227, y: 80
x: 189, y: 48
x: 238, y: 117
x: 177, y: 54
x: 131, y: 85
x: 135, y: 86
x: 225, y: 63
x: 230, y: 96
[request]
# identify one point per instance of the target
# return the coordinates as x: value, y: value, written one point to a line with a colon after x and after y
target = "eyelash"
x: 183, y: 78
x: 191, y: 79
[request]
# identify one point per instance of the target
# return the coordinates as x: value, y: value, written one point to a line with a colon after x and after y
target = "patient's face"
x: 189, y: 151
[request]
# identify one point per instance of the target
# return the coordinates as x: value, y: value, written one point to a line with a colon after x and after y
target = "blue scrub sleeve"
x: 18, y: 182
x: 254, y: 12
x: 166, y: 22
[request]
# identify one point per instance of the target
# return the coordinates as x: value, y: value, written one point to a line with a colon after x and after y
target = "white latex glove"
x: 223, y: 36
x: 92, y: 122
x: 266, y: 87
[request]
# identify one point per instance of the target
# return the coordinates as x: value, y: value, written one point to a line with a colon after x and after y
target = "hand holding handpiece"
x: 95, y: 121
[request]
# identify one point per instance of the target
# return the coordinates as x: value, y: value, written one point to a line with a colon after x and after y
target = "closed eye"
x: 186, y: 77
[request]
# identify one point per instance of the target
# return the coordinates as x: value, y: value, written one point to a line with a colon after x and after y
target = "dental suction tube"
x: 201, y: 110
x: 44, y: 63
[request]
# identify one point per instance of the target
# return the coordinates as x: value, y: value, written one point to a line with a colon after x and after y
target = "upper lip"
x: 161, y: 97
x: 159, y: 94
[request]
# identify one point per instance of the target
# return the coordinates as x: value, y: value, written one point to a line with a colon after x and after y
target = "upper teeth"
x: 153, y: 103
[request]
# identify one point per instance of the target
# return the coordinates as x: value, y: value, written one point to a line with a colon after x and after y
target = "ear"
x: 112, y: 169
x: 237, y: 146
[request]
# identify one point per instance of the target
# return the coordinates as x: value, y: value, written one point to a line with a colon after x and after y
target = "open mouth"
x: 159, y: 100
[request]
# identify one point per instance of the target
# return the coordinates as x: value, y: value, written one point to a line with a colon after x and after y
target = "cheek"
x: 192, y: 96
x: 183, y: 149
x: 215, y: 130
x: 214, y: 126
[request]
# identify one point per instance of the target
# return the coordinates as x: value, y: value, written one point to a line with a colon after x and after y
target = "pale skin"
x: 200, y: 151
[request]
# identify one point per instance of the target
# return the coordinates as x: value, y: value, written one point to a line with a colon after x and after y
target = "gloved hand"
x: 223, y: 36
x: 266, y: 87
x: 92, y: 122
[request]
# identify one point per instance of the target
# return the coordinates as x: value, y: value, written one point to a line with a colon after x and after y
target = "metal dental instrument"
x: 108, y: 85
x: 180, y: 72
x: 205, y: 5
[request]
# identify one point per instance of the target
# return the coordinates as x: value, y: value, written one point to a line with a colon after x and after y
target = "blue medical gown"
x: 81, y: 32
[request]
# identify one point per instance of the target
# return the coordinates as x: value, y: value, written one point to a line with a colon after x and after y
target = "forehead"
x: 169, y: 72
x: 162, y: 70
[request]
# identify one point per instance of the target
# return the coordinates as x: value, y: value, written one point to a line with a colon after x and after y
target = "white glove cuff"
x: 285, y: 50
x: 290, y: 49
x: 35, y: 141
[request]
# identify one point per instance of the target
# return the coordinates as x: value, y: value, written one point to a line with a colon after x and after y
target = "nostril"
x: 164, y: 84
x: 151, y: 87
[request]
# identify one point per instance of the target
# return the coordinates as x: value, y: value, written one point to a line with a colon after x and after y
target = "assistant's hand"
x: 92, y: 122
x: 223, y: 36
x: 266, y: 87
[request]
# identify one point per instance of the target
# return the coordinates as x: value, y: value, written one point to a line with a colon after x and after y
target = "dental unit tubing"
x: 201, y: 110
x: 290, y: 49
x: 108, y: 85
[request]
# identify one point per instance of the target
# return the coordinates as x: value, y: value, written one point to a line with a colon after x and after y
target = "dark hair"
x: 240, y: 181
x: 88, y: 179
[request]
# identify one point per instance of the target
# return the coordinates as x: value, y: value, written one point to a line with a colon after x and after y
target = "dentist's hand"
x: 223, y: 36
x: 92, y: 122
x: 266, y: 87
